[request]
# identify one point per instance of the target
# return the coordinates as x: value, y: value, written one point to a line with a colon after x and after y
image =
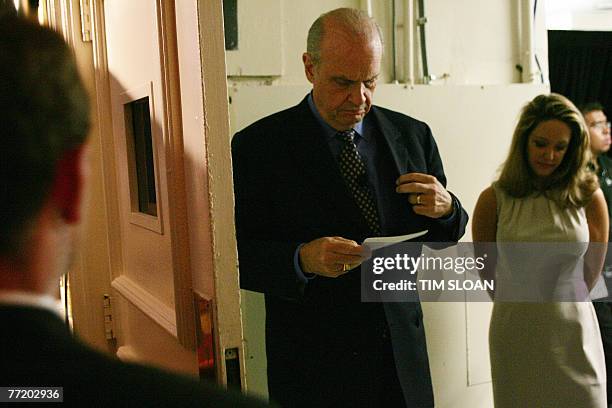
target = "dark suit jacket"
x: 320, y: 338
x: 37, y: 349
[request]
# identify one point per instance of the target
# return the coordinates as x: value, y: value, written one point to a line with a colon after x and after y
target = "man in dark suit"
x: 313, y: 181
x: 44, y: 116
x: 599, y: 134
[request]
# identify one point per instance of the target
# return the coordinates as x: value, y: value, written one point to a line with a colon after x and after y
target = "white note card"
x: 381, y: 242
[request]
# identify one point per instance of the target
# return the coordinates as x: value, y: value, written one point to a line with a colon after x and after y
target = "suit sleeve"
x: 451, y: 228
x: 266, y: 262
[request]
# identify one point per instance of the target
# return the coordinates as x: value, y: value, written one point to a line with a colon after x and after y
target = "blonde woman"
x: 545, y: 353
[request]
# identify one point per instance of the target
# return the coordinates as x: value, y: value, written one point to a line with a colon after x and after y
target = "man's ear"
x: 308, y: 67
x: 67, y: 190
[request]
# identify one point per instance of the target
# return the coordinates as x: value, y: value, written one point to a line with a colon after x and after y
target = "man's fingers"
x: 335, y: 258
x: 345, y: 258
x: 414, y: 188
x: 345, y: 267
x: 342, y: 239
x: 418, y: 199
x: 331, y: 256
x: 426, y: 195
x: 421, y: 210
x: 416, y: 177
x: 345, y: 246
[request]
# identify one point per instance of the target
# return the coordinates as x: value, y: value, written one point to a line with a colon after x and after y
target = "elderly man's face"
x: 345, y: 77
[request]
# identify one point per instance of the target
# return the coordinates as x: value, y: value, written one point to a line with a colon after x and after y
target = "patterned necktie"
x: 353, y: 170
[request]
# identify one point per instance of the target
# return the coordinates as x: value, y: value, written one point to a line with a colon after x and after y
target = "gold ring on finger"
x: 418, y: 199
x: 346, y: 267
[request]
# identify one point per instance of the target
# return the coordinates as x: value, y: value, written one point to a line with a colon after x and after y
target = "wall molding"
x: 175, y: 167
x: 104, y: 111
x: 148, y: 304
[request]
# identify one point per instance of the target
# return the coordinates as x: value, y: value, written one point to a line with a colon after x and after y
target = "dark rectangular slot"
x: 232, y: 368
x: 230, y: 22
x: 143, y: 155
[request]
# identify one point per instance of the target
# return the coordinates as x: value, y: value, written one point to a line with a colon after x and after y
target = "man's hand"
x: 427, y: 196
x: 331, y: 256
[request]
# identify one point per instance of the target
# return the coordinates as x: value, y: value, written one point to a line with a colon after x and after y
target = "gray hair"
x: 353, y: 21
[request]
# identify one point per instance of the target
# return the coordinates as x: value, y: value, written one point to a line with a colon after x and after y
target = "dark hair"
x: 572, y: 184
x: 591, y: 107
x: 7, y: 7
x: 44, y: 112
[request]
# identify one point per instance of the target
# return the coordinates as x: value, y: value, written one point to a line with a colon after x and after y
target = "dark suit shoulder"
x: 168, y: 389
x: 40, y: 351
x: 412, y: 131
x: 401, y: 120
x: 398, y: 116
x: 141, y: 385
x: 268, y: 128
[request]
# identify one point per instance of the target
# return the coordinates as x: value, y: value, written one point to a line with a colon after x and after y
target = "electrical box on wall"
x: 256, y: 52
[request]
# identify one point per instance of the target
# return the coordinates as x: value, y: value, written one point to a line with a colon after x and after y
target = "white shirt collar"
x: 16, y: 298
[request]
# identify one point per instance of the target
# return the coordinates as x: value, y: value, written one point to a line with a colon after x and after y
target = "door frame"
x: 214, y: 224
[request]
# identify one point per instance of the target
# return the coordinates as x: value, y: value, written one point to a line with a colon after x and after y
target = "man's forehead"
x: 333, y: 45
x: 596, y: 115
x: 352, y: 51
x: 336, y: 33
x: 352, y: 78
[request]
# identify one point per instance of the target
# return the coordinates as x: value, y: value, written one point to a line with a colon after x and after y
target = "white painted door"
x: 168, y: 206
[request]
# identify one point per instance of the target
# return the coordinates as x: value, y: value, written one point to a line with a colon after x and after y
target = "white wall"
x: 580, y: 15
x: 472, y: 41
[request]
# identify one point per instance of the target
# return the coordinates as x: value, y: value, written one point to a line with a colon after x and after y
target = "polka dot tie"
x: 353, y: 170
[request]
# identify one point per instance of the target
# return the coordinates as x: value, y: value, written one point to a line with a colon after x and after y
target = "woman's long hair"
x: 572, y: 183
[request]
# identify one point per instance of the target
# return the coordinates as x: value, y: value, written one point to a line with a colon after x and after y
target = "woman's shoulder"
x: 488, y: 199
x: 505, y: 200
x: 489, y: 194
x: 496, y: 193
x: 484, y: 222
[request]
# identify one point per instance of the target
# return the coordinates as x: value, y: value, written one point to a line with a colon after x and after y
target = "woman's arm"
x: 597, y: 218
x: 484, y: 230
x: 484, y: 222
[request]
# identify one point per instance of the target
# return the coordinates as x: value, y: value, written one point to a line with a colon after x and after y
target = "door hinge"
x: 85, y: 20
x: 109, y: 331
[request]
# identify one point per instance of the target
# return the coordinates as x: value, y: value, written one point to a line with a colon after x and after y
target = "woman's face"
x: 546, y: 146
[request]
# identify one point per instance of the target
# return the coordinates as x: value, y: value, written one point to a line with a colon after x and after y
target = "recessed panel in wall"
x: 141, y: 150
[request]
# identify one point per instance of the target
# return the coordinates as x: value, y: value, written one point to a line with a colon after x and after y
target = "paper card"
x: 381, y: 242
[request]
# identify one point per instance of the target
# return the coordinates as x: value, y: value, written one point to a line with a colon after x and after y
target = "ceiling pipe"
x: 366, y: 5
x: 421, y: 21
x: 394, y: 41
x: 409, y: 42
x: 529, y: 72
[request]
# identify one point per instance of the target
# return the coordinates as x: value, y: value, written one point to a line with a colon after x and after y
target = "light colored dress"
x: 543, y: 354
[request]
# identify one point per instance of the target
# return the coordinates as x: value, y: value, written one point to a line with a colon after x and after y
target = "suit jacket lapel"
x: 398, y: 146
x: 311, y: 152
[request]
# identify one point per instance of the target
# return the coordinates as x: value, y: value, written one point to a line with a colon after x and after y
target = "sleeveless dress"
x: 543, y: 354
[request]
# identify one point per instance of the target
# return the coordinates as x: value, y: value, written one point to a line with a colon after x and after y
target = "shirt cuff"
x: 301, y: 275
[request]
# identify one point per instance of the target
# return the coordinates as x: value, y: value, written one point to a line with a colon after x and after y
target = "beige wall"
x: 472, y: 41
x: 581, y: 15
